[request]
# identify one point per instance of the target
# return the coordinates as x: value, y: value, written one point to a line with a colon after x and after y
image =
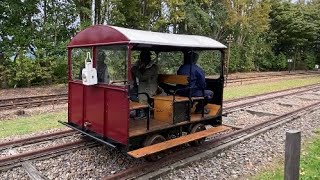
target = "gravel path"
x: 247, y: 158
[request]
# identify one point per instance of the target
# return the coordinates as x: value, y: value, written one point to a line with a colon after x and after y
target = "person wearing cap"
x: 145, y: 76
x: 197, y: 81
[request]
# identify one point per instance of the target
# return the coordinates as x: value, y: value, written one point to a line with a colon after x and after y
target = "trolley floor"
x: 138, y: 153
x: 139, y: 126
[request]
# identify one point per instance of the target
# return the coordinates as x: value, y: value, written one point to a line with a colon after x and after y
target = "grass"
x: 261, y: 88
x: 309, y: 163
x: 26, y: 125
x: 38, y: 123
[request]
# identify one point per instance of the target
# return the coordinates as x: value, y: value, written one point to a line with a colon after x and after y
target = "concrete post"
x: 292, y: 155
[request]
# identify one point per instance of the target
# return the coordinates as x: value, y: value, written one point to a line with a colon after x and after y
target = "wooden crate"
x: 168, y: 111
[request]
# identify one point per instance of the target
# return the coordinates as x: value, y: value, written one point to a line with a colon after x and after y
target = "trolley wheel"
x: 154, y: 139
x: 194, y: 129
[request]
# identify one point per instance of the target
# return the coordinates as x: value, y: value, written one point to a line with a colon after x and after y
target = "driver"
x: 145, y: 75
x: 197, y: 81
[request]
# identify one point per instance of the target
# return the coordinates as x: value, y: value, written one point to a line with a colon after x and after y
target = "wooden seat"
x: 148, y: 150
x: 197, y: 98
x: 170, y: 98
x: 177, y: 98
x: 177, y: 79
x: 173, y: 79
x: 136, y: 105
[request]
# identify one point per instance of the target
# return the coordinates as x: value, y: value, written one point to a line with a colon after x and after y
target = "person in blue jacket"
x: 197, y: 81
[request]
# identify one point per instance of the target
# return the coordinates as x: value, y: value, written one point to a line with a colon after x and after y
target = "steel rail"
x: 32, y: 97
x: 35, y: 139
x: 236, y: 107
x: 11, y: 161
x: 250, y: 78
x: 270, y: 93
x: 275, y: 74
x: 210, y: 147
x: 32, y: 101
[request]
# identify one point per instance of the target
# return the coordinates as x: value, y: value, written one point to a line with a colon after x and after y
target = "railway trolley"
x: 100, y: 104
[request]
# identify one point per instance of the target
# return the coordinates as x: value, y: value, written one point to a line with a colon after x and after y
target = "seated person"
x: 197, y: 81
x: 102, y: 69
x: 145, y: 76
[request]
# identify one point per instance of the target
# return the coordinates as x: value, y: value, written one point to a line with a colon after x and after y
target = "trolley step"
x: 148, y: 150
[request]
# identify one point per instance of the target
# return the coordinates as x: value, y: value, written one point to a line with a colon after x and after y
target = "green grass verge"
x: 309, y: 163
x: 25, y: 125
x: 38, y: 123
x: 268, y: 86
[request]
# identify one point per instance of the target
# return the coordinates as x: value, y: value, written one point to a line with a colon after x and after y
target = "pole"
x: 292, y: 155
x: 228, y: 63
x: 229, y: 41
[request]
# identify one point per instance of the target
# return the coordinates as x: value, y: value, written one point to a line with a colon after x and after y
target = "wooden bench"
x: 173, y: 79
x: 136, y: 105
x: 177, y: 79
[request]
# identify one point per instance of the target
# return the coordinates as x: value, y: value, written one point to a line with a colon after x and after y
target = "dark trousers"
x: 207, y: 95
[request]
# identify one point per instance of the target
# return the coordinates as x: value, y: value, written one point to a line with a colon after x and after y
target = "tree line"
x: 34, y: 33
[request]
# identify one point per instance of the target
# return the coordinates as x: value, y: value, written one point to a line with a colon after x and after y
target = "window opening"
x: 78, y: 57
x: 112, y: 64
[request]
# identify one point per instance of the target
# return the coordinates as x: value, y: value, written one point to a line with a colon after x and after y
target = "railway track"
x: 51, y: 151
x: 16, y: 159
x: 32, y: 101
x: 274, y: 93
x: 236, y: 107
x: 35, y: 139
x: 150, y: 170
x: 271, y: 76
x: 35, y: 101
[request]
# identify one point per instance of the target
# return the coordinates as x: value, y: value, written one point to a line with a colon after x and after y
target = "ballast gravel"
x: 247, y: 158
x: 90, y: 163
x: 40, y: 145
x: 16, y: 173
x: 266, y: 110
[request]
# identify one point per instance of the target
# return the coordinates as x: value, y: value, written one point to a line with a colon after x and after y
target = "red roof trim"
x: 98, y: 35
x: 99, y: 44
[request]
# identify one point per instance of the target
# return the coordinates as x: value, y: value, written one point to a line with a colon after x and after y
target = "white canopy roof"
x: 157, y: 38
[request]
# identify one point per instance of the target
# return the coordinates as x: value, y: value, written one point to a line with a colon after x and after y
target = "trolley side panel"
x: 75, y: 103
x: 117, y: 114
x: 94, y: 109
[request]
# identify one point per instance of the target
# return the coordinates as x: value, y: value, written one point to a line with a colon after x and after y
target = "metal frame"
x: 88, y: 134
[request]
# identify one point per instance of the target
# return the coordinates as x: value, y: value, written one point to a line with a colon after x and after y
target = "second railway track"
x: 32, y: 101
x: 35, y: 101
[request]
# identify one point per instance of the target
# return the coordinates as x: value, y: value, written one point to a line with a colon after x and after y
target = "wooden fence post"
x: 292, y: 155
